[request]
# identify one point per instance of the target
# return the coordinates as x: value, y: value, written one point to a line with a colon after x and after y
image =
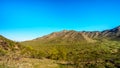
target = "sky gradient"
x: 28, y: 19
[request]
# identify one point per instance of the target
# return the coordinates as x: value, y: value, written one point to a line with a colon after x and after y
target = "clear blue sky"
x: 27, y: 19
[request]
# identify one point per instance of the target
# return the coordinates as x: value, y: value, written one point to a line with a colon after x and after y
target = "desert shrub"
x: 101, y: 54
x: 2, y: 52
x: 36, y: 54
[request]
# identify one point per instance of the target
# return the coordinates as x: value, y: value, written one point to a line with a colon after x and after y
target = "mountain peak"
x: 64, y: 30
x: 71, y: 36
x: 68, y: 31
x: 116, y: 29
x: 118, y: 26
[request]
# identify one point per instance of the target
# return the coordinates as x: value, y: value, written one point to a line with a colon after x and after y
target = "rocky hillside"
x: 65, y: 35
x: 7, y: 44
x: 112, y: 33
x: 71, y: 36
x: 83, y: 35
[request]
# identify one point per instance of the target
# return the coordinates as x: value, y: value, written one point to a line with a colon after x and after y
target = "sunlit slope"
x: 68, y: 37
x: 7, y: 44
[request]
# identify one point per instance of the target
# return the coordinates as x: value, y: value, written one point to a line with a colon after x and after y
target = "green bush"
x: 2, y: 52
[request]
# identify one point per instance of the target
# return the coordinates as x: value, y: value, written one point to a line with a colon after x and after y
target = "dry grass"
x: 28, y: 63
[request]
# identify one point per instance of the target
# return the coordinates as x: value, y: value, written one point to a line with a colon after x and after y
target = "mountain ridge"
x: 72, y: 36
x: 91, y: 34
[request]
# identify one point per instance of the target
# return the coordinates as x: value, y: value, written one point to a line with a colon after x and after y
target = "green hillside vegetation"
x: 78, y: 49
x: 7, y: 46
x: 65, y: 49
x: 101, y: 54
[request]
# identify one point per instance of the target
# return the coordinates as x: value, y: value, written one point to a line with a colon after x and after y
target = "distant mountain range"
x: 71, y: 36
x: 83, y: 35
x: 65, y: 37
x: 88, y: 48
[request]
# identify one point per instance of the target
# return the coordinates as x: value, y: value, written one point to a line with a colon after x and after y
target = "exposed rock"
x: 70, y: 36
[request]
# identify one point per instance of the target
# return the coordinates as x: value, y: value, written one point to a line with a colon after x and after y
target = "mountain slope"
x: 76, y: 48
x: 73, y: 37
x: 69, y: 36
x: 113, y: 33
x: 7, y: 44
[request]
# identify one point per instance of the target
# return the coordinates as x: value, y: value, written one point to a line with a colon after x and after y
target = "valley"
x: 64, y: 49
